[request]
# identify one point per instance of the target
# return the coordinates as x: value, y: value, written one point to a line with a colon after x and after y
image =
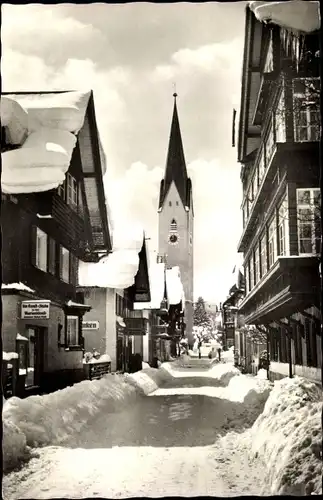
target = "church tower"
x: 176, y: 217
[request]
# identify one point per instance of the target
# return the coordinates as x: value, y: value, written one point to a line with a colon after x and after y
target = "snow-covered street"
x: 165, y: 444
x: 175, y: 431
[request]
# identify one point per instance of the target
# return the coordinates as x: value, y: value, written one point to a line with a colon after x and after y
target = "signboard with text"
x: 35, y: 309
x: 90, y: 325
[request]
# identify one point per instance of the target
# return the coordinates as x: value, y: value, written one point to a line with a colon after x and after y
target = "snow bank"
x: 228, y: 356
x: 287, y: 437
x: 14, y: 446
x: 251, y: 391
x: 148, y: 380
x: 52, y: 418
x: 262, y: 374
x: 224, y: 372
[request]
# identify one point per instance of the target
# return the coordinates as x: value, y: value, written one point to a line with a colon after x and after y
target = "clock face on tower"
x: 173, y: 239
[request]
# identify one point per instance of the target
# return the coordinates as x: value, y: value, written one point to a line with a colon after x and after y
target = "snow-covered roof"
x: 45, y: 127
x: 174, y: 286
x: 296, y: 15
x: 118, y: 269
x: 17, y: 286
x: 157, y: 287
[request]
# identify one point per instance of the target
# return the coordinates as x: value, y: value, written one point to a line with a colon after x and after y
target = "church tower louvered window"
x: 173, y: 225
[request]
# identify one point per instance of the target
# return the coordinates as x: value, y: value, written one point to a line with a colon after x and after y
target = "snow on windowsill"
x: 70, y: 303
x: 17, y: 286
x: 7, y: 356
x: 44, y: 216
x: 21, y: 337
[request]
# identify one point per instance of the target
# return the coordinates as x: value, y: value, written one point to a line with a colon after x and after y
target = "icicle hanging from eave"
x: 296, y: 18
x: 295, y: 15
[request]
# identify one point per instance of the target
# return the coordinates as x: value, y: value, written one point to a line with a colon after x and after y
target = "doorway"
x: 34, y: 355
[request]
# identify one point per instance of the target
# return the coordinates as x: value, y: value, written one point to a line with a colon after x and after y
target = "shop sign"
x: 35, y: 309
x: 90, y: 325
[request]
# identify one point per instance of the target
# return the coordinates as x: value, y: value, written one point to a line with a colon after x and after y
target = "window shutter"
x: 33, y: 245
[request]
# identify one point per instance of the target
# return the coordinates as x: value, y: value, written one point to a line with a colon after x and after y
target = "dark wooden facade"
x: 278, y: 148
x: 81, y: 228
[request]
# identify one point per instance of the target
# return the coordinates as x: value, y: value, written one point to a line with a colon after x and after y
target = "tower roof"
x: 175, y: 164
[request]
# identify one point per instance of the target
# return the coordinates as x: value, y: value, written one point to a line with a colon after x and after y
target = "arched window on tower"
x: 173, y: 225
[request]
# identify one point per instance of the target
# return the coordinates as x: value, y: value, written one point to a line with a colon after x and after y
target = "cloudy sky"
x: 131, y: 55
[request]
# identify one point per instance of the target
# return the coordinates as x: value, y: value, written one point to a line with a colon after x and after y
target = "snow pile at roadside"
x: 147, y: 380
x: 262, y: 374
x: 14, y: 445
x: 251, y: 391
x: 287, y: 437
x: 52, y: 418
x: 224, y: 372
x: 228, y: 356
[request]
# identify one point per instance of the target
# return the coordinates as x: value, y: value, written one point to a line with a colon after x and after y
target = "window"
x: 170, y: 203
x: 173, y: 225
x: 309, y: 221
x: 252, y: 272
x: 269, y: 62
x: 177, y: 204
x: 280, y: 121
x: 51, y: 256
x: 283, y: 227
x: 269, y: 146
x: 244, y: 214
x: 41, y: 250
x: 306, y: 109
x: 64, y: 264
x: 255, y: 184
x: 72, y: 330
x: 247, y: 273
x: 62, y: 191
x: 263, y: 254
x: 257, y: 265
x: 272, y: 247
x: 71, y: 191
x: 261, y: 166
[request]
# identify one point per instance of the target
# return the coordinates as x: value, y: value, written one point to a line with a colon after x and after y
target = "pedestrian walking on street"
x: 199, y: 348
x: 219, y: 353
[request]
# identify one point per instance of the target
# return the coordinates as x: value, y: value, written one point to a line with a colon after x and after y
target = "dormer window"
x: 173, y: 225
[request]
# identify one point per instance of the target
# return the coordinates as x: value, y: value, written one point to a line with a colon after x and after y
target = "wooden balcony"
x: 291, y: 285
x: 284, y: 153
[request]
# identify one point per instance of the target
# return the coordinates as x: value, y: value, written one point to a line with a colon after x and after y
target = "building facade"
x: 176, y: 218
x: 44, y: 236
x: 278, y: 147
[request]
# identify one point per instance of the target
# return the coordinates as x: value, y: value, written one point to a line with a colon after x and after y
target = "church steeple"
x: 175, y: 164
